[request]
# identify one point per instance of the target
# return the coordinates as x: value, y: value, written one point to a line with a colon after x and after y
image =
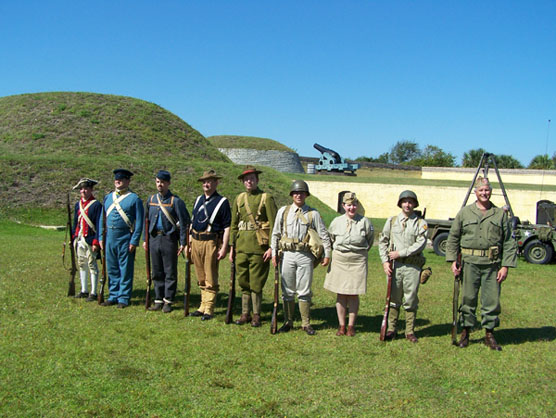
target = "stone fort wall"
x: 283, y: 161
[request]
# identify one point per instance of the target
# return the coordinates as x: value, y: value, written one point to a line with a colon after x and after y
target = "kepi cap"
x: 163, y: 175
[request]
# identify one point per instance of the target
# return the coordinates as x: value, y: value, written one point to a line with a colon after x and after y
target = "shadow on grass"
x: 524, y: 335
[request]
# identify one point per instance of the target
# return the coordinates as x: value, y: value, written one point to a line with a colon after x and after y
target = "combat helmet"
x: 407, y: 194
x: 299, y: 186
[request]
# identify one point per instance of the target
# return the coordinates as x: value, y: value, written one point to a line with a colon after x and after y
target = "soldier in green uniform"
x: 481, y: 231
x: 403, y: 240
x: 253, y: 214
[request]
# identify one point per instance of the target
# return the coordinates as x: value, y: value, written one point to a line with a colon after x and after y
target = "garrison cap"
x: 163, y: 175
x: 249, y: 169
x: 480, y: 182
x: 122, y: 173
x: 210, y: 174
x: 349, y: 198
x: 85, y: 182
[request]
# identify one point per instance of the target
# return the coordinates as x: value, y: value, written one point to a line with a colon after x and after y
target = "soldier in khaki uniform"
x: 403, y: 240
x: 482, y: 233
x: 289, y: 235
x: 253, y: 214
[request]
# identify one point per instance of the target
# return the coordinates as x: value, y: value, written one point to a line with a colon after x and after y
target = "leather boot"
x: 341, y: 330
x: 351, y: 331
x: 464, y: 339
x: 305, y: 311
x: 410, y: 326
x: 243, y: 319
x: 289, y: 307
x: 392, y: 323
x: 256, y: 322
x: 490, y: 341
x: 256, y: 299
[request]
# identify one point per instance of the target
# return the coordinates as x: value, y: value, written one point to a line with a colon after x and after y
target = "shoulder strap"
x: 263, y: 201
x: 284, y: 218
x: 165, y: 211
x: 194, y: 208
x: 214, y: 212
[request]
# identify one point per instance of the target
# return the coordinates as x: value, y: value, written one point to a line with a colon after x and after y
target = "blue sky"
x: 355, y: 76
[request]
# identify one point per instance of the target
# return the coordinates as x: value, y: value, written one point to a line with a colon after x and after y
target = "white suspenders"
x: 116, y: 204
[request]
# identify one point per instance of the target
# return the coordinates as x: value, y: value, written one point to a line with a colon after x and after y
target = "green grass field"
x: 65, y: 357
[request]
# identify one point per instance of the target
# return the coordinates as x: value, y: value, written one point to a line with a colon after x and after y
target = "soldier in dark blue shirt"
x: 210, y: 232
x: 168, y: 225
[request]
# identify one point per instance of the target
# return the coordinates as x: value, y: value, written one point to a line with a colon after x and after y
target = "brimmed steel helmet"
x: 407, y: 194
x: 299, y: 186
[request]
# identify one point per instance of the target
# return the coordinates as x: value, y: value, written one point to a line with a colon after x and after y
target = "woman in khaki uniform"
x: 352, y: 236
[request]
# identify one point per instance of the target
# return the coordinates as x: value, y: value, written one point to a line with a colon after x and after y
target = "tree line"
x: 409, y: 153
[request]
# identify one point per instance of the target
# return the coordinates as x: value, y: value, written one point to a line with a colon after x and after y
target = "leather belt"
x: 211, y: 236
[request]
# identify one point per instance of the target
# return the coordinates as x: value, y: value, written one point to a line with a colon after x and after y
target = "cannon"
x: 332, y: 161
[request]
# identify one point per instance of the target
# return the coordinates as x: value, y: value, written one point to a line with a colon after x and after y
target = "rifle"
x: 187, y: 292
x: 104, y: 276
x: 232, y: 294
x: 384, y: 324
x: 274, y: 320
x: 455, y: 302
x: 147, y: 258
x: 73, y: 270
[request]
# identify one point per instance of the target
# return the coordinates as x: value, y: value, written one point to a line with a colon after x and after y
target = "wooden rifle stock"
x: 147, y: 258
x: 455, y: 302
x: 73, y: 270
x: 232, y: 294
x: 384, y: 325
x: 104, y: 276
x: 187, y: 292
x: 274, y: 319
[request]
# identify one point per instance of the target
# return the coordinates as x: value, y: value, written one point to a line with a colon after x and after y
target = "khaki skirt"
x: 347, y: 273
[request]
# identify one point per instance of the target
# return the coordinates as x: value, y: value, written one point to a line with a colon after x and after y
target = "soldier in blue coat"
x: 124, y: 225
x: 168, y: 224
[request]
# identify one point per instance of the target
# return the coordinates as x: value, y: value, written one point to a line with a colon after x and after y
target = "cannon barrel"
x: 334, y: 154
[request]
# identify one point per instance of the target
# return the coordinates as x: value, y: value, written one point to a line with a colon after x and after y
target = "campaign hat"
x: 249, y: 169
x: 209, y: 174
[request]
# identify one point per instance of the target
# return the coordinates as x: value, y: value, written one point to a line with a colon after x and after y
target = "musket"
x: 104, y: 276
x: 147, y: 258
x: 274, y: 319
x: 73, y: 269
x: 384, y: 324
x: 232, y: 294
x: 455, y: 301
x: 187, y: 291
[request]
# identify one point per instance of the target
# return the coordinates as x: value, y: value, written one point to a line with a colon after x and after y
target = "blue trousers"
x: 119, y: 264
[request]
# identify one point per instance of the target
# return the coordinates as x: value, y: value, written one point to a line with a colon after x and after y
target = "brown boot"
x: 490, y: 341
x: 464, y: 340
x: 256, y: 322
x: 341, y: 330
x: 411, y: 337
x: 243, y: 319
x: 351, y: 331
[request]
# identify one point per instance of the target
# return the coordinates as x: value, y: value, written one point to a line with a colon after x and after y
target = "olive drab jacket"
x: 242, y: 230
x: 471, y: 230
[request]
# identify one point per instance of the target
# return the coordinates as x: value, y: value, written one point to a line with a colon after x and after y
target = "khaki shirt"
x: 409, y: 240
x: 296, y: 228
x: 355, y: 234
x: 471, y: 229
x: 246, y: 240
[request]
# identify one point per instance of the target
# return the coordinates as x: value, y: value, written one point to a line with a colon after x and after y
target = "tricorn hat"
x: 85, y: 182
x: 210, y: 174
x: 122, y: 173
x: 249, y: 169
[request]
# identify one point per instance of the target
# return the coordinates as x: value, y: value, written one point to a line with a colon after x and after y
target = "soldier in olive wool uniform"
x: 481, y: 231
x: 253, y: 214
x: 403, y: 240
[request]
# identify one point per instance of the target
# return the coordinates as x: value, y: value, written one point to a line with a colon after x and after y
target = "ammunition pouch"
x: 262, y: 230
x: 414, y: 260
x: 493, y: 253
